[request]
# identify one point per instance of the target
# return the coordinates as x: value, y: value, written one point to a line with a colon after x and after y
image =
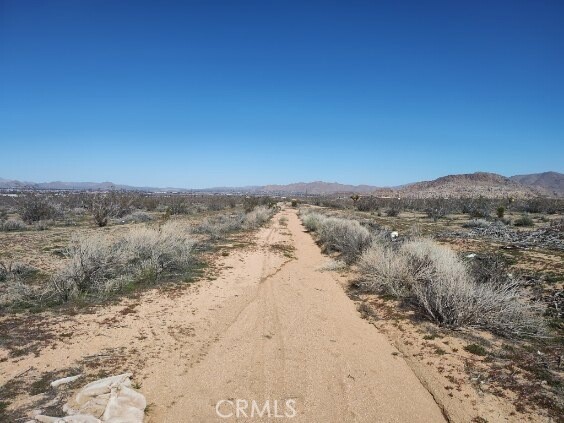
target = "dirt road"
x: 295, y: 336
x: 269, y: 328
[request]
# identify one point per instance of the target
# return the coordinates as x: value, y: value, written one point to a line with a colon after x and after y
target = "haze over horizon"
x: 207, y: 94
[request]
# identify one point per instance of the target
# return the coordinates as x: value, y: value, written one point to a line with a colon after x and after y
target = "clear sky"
x: 228, y: 93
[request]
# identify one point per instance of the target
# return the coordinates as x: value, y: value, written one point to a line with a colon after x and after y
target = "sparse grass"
x: 476, y: 223
x: 333, y: 266
x: 440, y: 351
x: 431, y: 336
x: 286, y: 249
x: 476, y: 349
x: 524, y: 220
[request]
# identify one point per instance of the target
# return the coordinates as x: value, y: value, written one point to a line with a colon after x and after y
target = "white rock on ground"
x: 64, y: 380
x: 108, y: 400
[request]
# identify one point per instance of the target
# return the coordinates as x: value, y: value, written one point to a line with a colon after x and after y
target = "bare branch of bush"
x: 33, y: 207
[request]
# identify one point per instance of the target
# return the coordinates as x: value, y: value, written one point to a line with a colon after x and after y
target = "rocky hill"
x: 551, y: 181
x: 471, y: 185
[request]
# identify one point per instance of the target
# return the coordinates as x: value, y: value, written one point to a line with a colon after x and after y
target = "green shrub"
x: 476, y: 349
x: 524, y: 220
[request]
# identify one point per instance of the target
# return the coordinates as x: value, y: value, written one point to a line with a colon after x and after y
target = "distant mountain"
x: 551, y: 181
x: 79, y: 186
x: 463, y: 185
x: 317, y: 188
x: 470, y: 185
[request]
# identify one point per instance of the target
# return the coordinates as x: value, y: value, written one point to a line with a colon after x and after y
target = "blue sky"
x: 215, y: 93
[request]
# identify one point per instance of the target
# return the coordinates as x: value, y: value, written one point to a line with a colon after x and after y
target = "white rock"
x: 64, y: 380
x: 112, y: 398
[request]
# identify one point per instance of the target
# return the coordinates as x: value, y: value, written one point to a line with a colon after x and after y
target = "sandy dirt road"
x: 269, y: 328
x: 297, y: 336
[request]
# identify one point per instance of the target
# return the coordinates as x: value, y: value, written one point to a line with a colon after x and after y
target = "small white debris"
x: 471, y: 255
x: 64, y: 380
x: 394, y: 235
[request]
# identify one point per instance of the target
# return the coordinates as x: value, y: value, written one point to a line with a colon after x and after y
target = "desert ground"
x: 268, y: 315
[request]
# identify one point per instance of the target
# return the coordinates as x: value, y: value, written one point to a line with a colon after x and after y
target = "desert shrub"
x: 13, y: 224
x: 216, y: 206
x: 436, y: 213
x: 348, y: 237
x: 34, y: 207
x: 539, y: 205
x: 385, y: 270
x: 524, y: 220
x: 93, y: 261
x: 41, y: 225
x: 500, y: 212
x: 476, y: 349
x: 557, y: 224
x: 476, y: 223
x: 258, y: 217
x: 149, y: 252
x: 491, y: 269
x: 393, y: 212
x: 176, y: 205
x: 294, y: 202
x: 218, y: 227
x: 15, y: 270
x: 102, y: 207
x: 249, y: 203
x: 98, y: 265
x: 137, y: 216
x: 19, y: 294
x: 477, y: 207
x: 333, y: 265
x: 312, y: 221
x: 367, y: 204
x: 435, y: 280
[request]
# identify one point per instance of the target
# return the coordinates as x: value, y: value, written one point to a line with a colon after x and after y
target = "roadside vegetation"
x: 475, y: 277
x: 429, y: 276
x: 111, y: 243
